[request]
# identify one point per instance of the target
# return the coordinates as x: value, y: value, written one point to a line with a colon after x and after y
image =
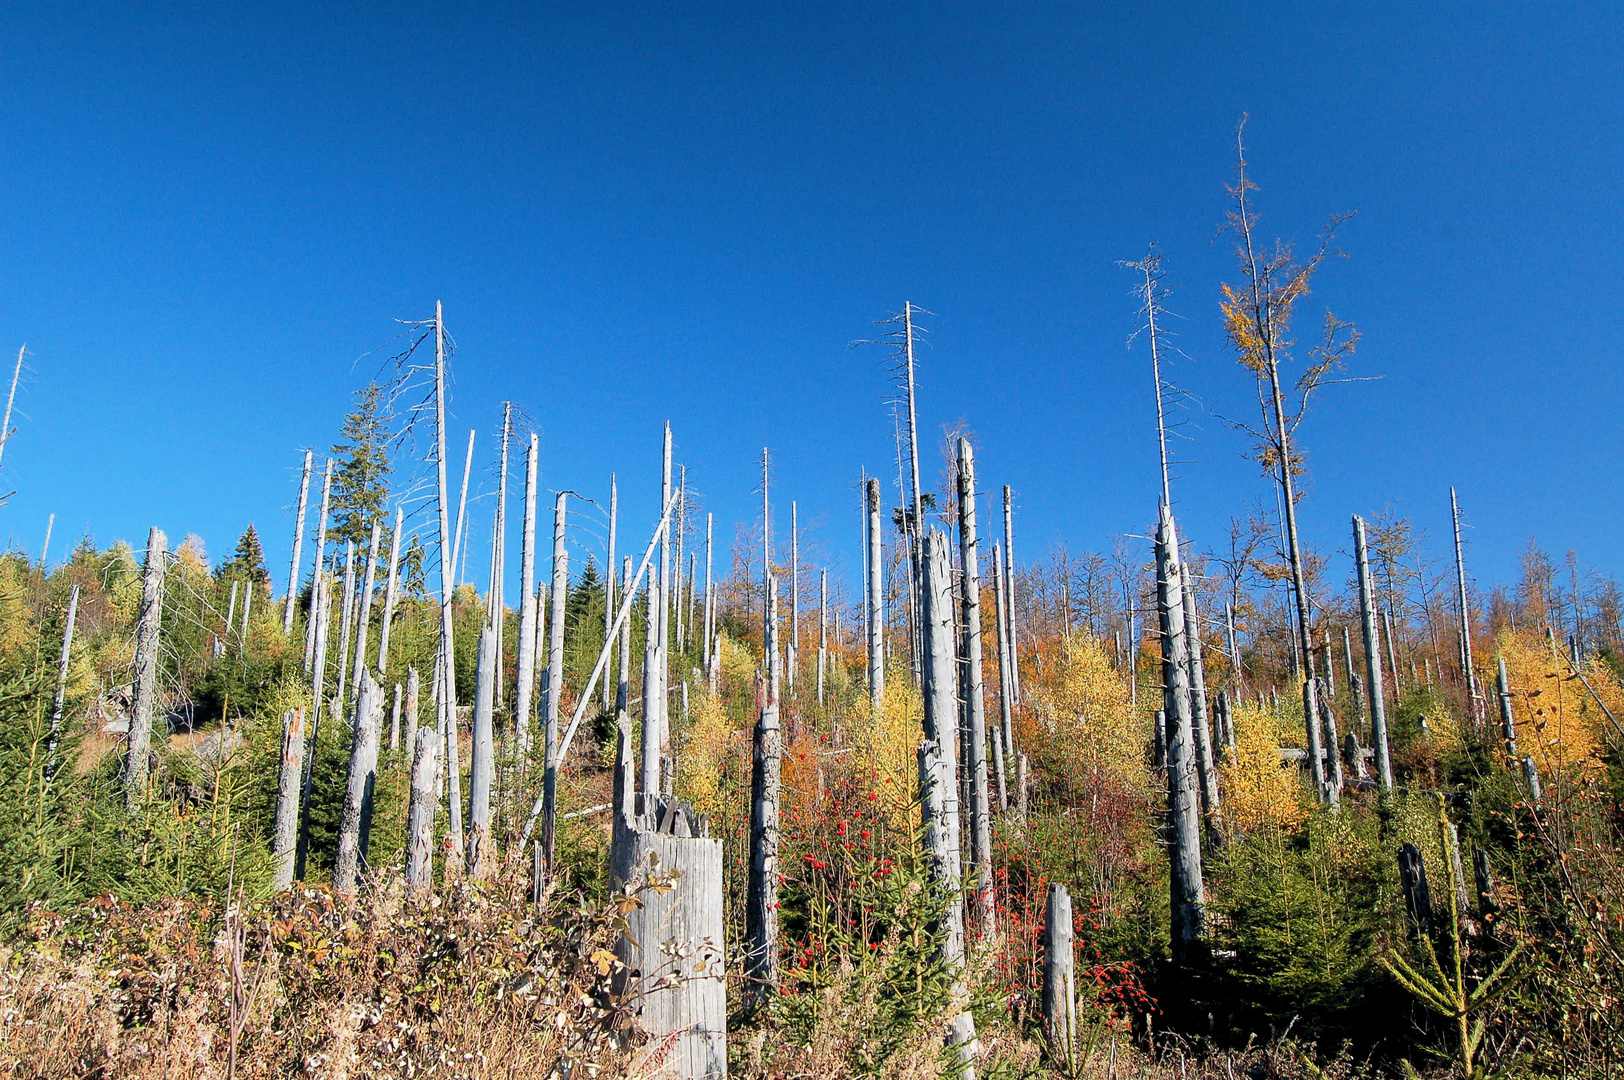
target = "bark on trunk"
x: 1373, y: 658
x: 285, y: 832
x: 145, y: 683
x: 420, y: 814
x: 1059, y: 978
x: 356, y: 823
x: 1188, y: 896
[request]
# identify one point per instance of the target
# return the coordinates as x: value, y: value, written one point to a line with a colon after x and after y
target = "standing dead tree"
x: 554, y: 688
x: 298, y: 543
x: 761, y: 901
x: 285, y: 833
x: 145, y: 682
x: 1373, y: 657
x: 1467, y: 666
x: 528, y: 613
x: 356, y: 824
x: 975, y: 705
x: 1188, y: 894
x: 60, y: 699
x: 874, y: 599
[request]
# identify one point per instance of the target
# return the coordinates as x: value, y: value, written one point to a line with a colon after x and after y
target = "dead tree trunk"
x: 1333, y: 746
x: 495, y: 602
x: 1412, y: 872
x: 1373, y: 657
x: 875, y: 599
x: 609, y: 580
x: 1468, y: 669
x: 938, y: 790
x: 391, y: 592
x: 363, y: 620
x: 447, y: 677
x: 1508, y: 726
x: 672, y: 947
x: 624, y: 674
x: 651, y: 681
x: 356, y: 823
x: 411, y: 710
x: 59, y: 702
x: 555, y: 681
x: 1188, y: 894
x: 794, y: 656
x: 482, y: 762
x: 1059, y: 978
x: 823, y: 630
x: 1005, y: 743
x: 975, y: 689
x: 346, y: 612
x: 761, y: 910
x: 145, y: 684
x: 1009, y: 598
x: 394, y: 721
x: 1211, y: 804
x: 420, y: 814
x: 710, y: 608
x: 285, y: 832
x: 319, y: 568
x: 459, y: 542
x: 662, y: 645
x: 527, y: 606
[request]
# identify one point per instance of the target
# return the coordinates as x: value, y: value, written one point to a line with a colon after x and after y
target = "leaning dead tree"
x: 60, y: 700
x: 938, y: 789
x: 145, y: 682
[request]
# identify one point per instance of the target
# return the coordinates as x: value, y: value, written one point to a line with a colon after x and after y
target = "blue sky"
x: 640, y: 212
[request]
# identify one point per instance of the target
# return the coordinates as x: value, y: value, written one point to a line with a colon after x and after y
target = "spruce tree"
x: 361, y: 479
x: 247, y: 563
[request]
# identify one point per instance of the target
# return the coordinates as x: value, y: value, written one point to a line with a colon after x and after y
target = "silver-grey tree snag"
x: 298, y: 543
x: 761, y: 902
x: 1188, y: 893
x: 975, y: 690
x: 528, y: 606
x: 145, y: 681
x: 60, y: 699
x: 285, y: 831
x: 1373, y: 657
x: 356, y: 823
x: 874, y: 599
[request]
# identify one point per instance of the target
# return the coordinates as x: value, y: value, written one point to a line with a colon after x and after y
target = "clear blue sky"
x: 640, y: 212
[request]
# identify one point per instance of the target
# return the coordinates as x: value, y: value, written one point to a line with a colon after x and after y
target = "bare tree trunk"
x: 1059, y: 978
x: 319, y: 569
x: 356, y: 823
x: 1468, y: 668
x: 346, y: 613
x: 145, y: 684
x: 1333, y: 746
x: 1006, y: 674
x: 420, y: 815
x: 285, y: 833
x: 459, y: 543
x: 651, y: 686
x: 663, y: 642
x: 59, y: 702
x: 710, y: 606
x: 321, y: 602
x: 1508, y: 726
x: 609, y: 579
x: 975, y: 690
x: 794, y: 656
x: 364, y: 619
x: 875, y: 599
x: 1188, y: 894
x: 761, y: 910
x: 1316, y: 743
x: 674, y: 594
x: 624, y: 673
x: 448, y: 574
x: 247, y: 604
x: 527, y: 605
x: 938, y: 791
x: 1353, y: 674
x: 1373, y: 658
x: 1392, y: 653
x: 496, y: 603
x: 483, y: 758
x: 391, y: 592
x: 1009, y: 599
x: 1211, y: 804
x: 5, y: 424
x: 555, y: 681
x: 823, y: 630
x: 1234, y: 647
x: 231, y: 616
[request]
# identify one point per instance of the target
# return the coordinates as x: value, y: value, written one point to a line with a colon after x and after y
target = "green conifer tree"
x: 361, y: 480
x: 247, y: 563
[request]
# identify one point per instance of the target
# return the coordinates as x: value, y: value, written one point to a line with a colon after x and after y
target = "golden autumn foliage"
x: 1259, y: 789
x: 1557, y: 720
x: 1087, y: 732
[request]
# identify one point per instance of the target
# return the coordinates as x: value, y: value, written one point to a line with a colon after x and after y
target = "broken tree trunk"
x: 482, y: 760
x: 1412, y: 872
x: 1187, y: 891
x: 874, y: 599
x: 411, y: 710
x: 823, y: 630
x: 394, y: 722
x: 938, y: 790
x: 356, y: 824
x: 285, y: 832
x: 761, y: 910
x: 1006, y: 677
x: 1059, y: 978
x: 420, y: 814
x: 609, y: 581
x: 1508, y: 726
x: 974, y: 690
x: 1373, y: 657
x: 145, y: 685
